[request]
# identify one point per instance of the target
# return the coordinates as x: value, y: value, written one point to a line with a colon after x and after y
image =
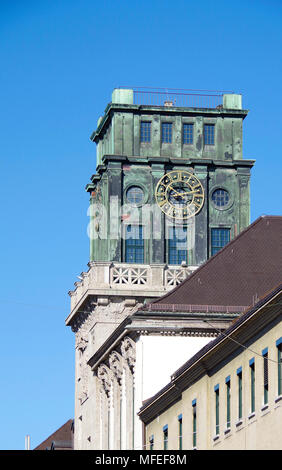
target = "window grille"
x: 167, y: 132
x: 145, y: 131
x: 209, y: 134
x: 188, y: 133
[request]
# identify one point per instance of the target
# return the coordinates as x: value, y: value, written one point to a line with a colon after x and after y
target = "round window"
x: 220, y: 198
x: 135, y: 195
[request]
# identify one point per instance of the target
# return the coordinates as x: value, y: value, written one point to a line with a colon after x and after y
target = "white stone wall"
x: 157, y: 358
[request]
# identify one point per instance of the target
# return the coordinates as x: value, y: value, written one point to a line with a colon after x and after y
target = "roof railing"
x: 172, y: 97
x: 195, y: 308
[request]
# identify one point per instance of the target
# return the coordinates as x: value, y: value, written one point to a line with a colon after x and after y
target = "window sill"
x: 239, y: 423
x: 252, y: 415
x: 216, y: 437
x: 227, y: 431
x: 279, y: 398
x: 264, y: 407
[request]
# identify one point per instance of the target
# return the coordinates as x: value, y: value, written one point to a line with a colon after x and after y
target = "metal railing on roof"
x: 195, y: 308
x: 172, y: 97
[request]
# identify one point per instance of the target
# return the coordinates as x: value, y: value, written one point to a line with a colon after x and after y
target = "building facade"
x: 229, y: 395
x: 170, y: 190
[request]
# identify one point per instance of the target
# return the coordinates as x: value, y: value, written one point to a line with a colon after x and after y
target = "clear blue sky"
x: 60, y: 61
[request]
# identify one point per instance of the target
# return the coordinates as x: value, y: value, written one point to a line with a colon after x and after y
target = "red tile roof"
x: 240, y: 273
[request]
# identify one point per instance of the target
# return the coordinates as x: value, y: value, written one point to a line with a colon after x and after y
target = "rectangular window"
x: 253, y: 384
x: 151, y: 441
x: 240, y: 393
x: 177, y: 245
x: 145, y: 131
x: 265, y: 376
x: 167, y: 132
x: 165, y: 436
x: 134, y: 244
x: 279, y: 366
x: 180, y: 432
x: 228, y: 402
x: 188, y: 133
x: 219, y: 238
x: 216, y: 389
x: 194, y: 427
x: 209, y: 134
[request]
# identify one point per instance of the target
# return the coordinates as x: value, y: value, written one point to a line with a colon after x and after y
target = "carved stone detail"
x: 83, y: 315
x: 174, y: 276
x: 129, y: 275
x: 128, y: 351
x: 104, y: 376
x: 116, y: 366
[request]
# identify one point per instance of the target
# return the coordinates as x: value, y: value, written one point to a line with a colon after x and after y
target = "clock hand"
x: 181, y: 194
x: 169, y: 186
x: 188, y: 192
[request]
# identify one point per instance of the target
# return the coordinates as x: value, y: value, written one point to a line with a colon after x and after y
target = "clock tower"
x: 171, y: 188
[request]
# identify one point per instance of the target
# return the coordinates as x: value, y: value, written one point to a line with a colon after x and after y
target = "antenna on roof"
x: 27, y: 442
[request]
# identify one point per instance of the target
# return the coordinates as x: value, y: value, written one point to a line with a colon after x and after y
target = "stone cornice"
x: 132, y: 328
x: 131, y: 159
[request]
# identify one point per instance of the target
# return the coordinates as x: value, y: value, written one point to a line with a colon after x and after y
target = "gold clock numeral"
x: 197, y: 204
x: 162, y: 201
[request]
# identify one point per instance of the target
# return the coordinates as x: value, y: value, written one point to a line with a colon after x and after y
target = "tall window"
x: 209, y: 134
x: 151, y: 441
x: 188, y: 133
x: 134, y: 244
x: 265, y: 375
x: 219, y: 238
x: 145, y: 131
x: 167, y: 132
x: 165, y: 436
x: 253, y: 384
x: 216, y: 390
x: 240, y: 393
x: 194, y: 427
x: 228, y: 402
x: 180, y: 432
x: 177, y: 245
x: 279, y: 360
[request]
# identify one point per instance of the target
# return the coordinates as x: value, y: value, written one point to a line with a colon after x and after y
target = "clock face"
x: 180, y: 194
